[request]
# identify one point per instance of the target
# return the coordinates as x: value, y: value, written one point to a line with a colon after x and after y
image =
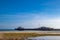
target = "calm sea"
x: 45, y: 38
x: 7, y: 30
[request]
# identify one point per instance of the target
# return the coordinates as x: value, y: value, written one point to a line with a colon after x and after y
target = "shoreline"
x: 30, y: 32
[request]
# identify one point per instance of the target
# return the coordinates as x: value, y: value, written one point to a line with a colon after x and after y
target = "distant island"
x: 43, y: 28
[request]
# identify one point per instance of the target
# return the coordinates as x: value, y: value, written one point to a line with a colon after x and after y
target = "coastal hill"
x: 43, y: 28
x: 40, y: 28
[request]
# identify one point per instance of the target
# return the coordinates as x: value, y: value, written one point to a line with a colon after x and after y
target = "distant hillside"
x: 41, y: 28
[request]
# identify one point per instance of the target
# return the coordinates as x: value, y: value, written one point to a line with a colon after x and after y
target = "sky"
x: 29, y: 13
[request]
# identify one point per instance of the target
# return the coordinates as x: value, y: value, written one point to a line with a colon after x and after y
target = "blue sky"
x: 29, y: 13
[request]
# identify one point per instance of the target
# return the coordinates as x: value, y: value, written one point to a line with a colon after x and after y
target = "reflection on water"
x: 46, y: 38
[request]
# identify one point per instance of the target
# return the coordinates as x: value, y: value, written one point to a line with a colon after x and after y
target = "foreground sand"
x: 21, y: 35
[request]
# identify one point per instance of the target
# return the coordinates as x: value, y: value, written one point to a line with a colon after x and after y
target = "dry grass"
x: 27, y: 34
x: 20, y: 34
x: 24, y: 35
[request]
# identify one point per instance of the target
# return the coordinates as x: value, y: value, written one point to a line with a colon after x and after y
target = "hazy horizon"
x: 29, y: 13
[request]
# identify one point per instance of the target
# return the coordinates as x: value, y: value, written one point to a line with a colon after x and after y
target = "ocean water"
x: 45, y: 38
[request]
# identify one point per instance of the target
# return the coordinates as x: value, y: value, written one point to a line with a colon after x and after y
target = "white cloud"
x: 39, y: 21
